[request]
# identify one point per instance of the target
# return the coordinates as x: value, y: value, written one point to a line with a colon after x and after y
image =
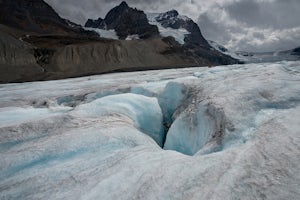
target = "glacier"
x: 225, y: 132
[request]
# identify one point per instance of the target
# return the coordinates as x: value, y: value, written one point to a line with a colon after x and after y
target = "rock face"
x: 36, y: 16
x: 125, y: 21
x: 17, y: 61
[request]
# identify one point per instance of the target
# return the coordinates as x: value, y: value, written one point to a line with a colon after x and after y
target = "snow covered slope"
x: 257, y: 57
x: 222, y: 49
x: 228, y: 132
x: 178, y: 34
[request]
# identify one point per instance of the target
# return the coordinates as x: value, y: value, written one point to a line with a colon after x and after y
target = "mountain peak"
x: 124, y: 4
x: 172, y: 13
x: 36, y: 16
x: 125, y: 21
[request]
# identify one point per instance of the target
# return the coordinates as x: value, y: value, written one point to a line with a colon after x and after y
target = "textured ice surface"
x: 234, y: 134
x: 145, y: 113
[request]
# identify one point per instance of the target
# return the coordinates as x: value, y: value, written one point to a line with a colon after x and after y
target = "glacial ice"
x: 234, y: 134
x: 194, y: 128
x: 144, y: 112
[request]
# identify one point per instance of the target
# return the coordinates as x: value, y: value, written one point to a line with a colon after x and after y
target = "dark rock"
x: 125, y: 21
x: 296, y: 51
x: 36, y: 16
x: 43, y: 55
x: 99, y: 23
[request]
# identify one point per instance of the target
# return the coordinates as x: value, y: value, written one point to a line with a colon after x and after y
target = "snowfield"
x: 227, y: 132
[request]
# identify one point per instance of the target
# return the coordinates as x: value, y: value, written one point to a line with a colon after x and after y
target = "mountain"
x: 56, y: 48
x: 35, y: 16
x: 169, y: 24
x: 172, y: 19
x: 125, y: 21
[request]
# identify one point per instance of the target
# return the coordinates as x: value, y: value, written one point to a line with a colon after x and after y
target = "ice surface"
x: 170, y: 95
x: 234, y: 135
x: 143, y: 111
x: 194, y: 128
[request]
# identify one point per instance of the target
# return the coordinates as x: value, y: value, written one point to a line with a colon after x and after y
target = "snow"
x: 223, y: 50
x: 133, y: 37
x: 250, y: 57
x: 110, y: 34
x: 234, y: 134
x: 178, y: 34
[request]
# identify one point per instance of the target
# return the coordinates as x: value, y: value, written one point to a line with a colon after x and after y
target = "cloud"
x: 251, y: 25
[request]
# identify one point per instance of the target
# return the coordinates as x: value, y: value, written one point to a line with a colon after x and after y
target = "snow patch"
x: 178, y: 34
x: 110, y: 34
x: 133, y: 37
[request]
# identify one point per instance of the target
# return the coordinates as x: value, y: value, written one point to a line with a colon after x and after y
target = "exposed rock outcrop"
x: 17, y: 62
x: 125, y: 21
x: 38, y: 17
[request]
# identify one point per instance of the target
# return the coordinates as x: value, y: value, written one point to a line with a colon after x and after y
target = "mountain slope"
x: 35, y: 16
x: 125, y: 21
x: 192, y: 43
x: 55, y: 48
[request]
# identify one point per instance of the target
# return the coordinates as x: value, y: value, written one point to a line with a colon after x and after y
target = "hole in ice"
x: 199, y: 128
x: 189, y: 123
x: 169, y: 112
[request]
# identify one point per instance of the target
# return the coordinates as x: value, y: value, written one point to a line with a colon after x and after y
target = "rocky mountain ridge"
x: 37, y: 44
x: 38, y: 17
x: 172, y: 19
x: 125, y: 21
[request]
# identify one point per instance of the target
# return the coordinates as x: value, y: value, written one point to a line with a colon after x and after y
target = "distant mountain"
x: 259, y: 57
x: 40, y: 45
x: 125, y: 21
x: 173, y: 20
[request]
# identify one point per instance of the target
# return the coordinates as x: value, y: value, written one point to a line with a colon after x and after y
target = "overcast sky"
x: 250, y: 25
